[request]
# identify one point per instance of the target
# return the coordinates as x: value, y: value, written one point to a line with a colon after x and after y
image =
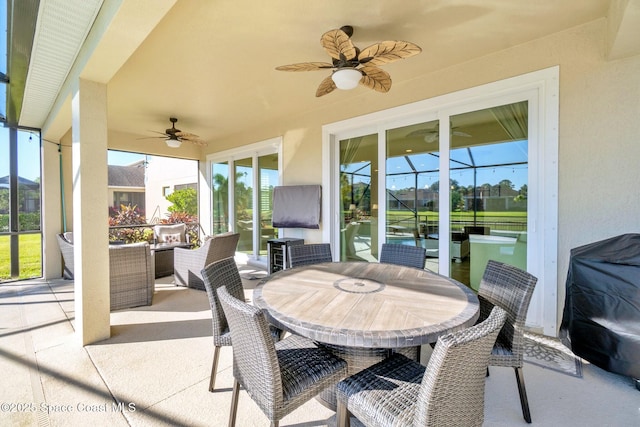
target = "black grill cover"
x: 601, y: 316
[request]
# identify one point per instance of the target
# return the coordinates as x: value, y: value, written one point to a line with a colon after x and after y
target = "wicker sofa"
x: 132, y: 276
x: 65, y: 241
x: 131, y: 271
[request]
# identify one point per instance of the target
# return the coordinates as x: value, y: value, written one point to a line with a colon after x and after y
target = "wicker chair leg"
x: 342, y: 415
x: 214, y: 368
x: 234, y: 403
x: 523, y: 395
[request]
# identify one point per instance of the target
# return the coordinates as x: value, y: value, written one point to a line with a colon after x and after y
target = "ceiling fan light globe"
x: 346, y: 78
x: 173, y: 142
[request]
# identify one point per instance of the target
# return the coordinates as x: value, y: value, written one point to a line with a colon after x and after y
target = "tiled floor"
x: 154, y: 370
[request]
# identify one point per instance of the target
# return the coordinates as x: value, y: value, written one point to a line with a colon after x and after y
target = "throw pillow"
x: 172, y: 238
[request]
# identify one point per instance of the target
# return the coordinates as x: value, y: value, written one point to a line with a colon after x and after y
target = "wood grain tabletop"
x: 369, y: 305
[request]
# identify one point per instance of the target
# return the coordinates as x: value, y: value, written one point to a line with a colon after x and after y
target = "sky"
x: 29, y: 155
x: 123, y: 158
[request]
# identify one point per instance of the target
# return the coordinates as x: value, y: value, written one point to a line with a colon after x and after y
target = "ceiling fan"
x: 432, y: 135
x: 351, y: 65
x: 174, y: 137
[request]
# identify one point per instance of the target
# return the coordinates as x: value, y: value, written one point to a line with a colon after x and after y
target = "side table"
x: 163, y: 257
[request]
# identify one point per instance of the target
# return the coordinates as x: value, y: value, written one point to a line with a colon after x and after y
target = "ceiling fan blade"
x: 336, y: 43
x: 419, y: 132
x: 460, y: 133
x: 199, y: 142
x: 326, y: 86
x: 375, y: 78
x: 388, y: 51
x: 305, y: 66
x: 154, y: 137
x: 186, y: 135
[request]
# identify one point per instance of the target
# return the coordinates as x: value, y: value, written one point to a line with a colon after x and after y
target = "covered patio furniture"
x: 409, y: 256
x: 511, y: 288
x: 449, y: 391
x: 188, y: 263
x: 309, y: 254
x: 281, y: 376
x: 601, y: 315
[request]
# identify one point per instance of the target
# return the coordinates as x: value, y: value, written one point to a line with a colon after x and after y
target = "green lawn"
x: 432, y: 217
x: 30, y: 257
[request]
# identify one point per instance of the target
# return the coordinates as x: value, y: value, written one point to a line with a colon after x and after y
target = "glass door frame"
x: 253, y: 151
x: 540, y: 89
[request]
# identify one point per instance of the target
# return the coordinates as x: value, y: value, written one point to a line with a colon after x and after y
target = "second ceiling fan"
x: 174, y: 137
x: 351, y: 65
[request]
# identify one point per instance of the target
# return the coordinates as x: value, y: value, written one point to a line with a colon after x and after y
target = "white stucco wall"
x: 166, y: 172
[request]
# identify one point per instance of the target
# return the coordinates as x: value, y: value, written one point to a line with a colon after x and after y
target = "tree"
x: 185, y: 200
x: 220, y: 202
x: 522, y: 194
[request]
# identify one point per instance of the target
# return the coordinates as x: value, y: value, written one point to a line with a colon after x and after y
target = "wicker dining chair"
x: 408, y: 256
x: 224, y: 273
x: 449, y: 391
x: 280, y: 376
x: 510, y: 288
x: 313, y: 253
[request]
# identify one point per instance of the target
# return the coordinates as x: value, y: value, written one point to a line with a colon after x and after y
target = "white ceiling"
x: 212, y: 63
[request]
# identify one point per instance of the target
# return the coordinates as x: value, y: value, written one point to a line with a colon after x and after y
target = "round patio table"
x: 364, y: 311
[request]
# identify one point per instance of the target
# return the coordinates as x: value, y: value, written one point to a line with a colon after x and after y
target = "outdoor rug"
x: 550, y: 353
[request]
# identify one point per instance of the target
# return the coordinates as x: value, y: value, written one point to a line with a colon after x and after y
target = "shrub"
x: 129, y: 215
x: 185, y: 218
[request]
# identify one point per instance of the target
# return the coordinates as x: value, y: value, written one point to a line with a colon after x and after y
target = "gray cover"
x: 296, y: 206
x: 601, y: 318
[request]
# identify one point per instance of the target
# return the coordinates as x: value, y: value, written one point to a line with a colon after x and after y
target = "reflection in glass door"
x: 488, y: 190
x: 243, y: 203
x: 268, y: 178
x: 220, y: 197
x: 412, y: 170
x: 359, y: 198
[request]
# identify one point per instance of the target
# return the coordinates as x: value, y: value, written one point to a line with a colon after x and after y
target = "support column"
x: 51, y: 204
x: 90, y: 217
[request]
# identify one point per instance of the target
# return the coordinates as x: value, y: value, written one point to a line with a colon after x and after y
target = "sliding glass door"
x: 242, y: 196
x: 485, y: 201
x: 470, y: 176
x: 489, y: 164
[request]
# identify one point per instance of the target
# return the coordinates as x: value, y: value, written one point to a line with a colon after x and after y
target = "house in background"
x: 147, y: 183
x: 126, y: 186
x: 164, y: 176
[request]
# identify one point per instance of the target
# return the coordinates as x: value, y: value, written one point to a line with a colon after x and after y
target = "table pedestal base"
x: 358, y: 359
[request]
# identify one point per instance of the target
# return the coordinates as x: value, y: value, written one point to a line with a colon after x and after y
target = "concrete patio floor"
x: 154, y: 371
